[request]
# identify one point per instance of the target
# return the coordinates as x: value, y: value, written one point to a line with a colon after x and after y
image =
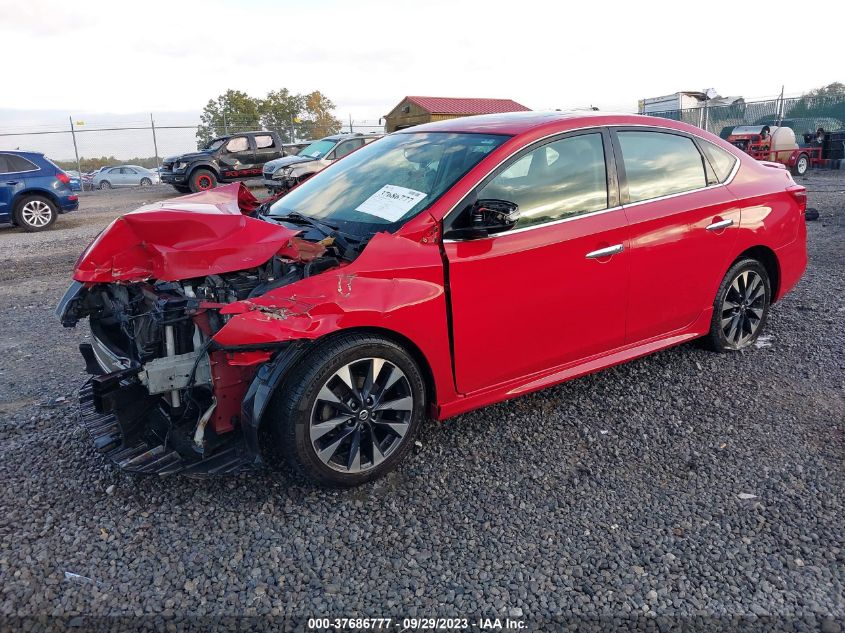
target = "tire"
x: 304, y: 422
x: 105, y: 184
x: 202, y: 180
x: 740, y: 310
x: 801, y: 165
x: 35, y: 213
x: 146, y: 182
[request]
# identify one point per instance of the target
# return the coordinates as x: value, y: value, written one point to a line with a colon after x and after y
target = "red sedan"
x: 440, y: 269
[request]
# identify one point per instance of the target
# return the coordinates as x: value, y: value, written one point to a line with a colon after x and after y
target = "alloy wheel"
x: 802, y: 165
x: 36, y: 213
x: 361, y: 415
x: 743, y: 307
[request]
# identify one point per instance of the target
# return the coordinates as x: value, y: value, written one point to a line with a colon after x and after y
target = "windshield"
x: 318, y: 149
x: 388, y: 181
x: 214, y: 144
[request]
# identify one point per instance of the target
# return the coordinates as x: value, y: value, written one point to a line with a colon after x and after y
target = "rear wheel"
x: 35, y: 213
x: 349, y: 411
x: 741, y: 307
x: 801, y: 165
x: 146, y: 182
x: 202, y: 180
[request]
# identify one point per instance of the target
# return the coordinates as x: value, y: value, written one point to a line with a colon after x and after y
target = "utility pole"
x: 292, y: 136
x: 350, y: 124
x: 780, y: 107
x: 225, y: 125
x: 75, y: 149
x: 155, y: 144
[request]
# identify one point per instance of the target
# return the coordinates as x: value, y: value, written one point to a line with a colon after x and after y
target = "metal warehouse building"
x: 416, y: 110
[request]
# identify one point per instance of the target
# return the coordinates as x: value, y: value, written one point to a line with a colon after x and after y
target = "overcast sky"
x: 135, y: 57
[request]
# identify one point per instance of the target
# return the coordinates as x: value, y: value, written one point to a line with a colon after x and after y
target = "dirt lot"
x: 686, y: 484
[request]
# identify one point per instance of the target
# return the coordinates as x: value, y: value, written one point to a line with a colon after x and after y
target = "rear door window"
x: 264, y: 141
x: 660, y: 164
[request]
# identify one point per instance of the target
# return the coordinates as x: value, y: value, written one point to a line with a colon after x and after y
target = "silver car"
x: 125, y: 176
x: 287, y: 172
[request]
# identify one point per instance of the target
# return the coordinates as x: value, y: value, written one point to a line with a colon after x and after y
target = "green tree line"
x: 292, y: 116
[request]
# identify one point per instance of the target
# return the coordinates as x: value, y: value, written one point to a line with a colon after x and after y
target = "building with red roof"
x: 416, y: 110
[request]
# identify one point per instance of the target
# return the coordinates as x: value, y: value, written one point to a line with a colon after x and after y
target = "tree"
x: 292, y: 116
x: 318, y: 118
x: 280, y: 111
x: 233, y: 111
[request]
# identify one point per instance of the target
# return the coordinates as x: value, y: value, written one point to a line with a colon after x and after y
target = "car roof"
x: 341, y: 137
x: 514, y: 123
x: 21, y: 152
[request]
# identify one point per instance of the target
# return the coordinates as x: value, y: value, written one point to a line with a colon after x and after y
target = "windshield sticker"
x: 391, y: 202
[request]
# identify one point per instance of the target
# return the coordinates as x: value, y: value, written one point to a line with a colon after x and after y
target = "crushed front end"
x: 163, y: 396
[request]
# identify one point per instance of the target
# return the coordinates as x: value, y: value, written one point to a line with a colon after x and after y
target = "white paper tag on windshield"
x: 391, y: 202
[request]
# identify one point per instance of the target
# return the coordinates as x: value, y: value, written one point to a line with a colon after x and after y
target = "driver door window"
x: 347, y: 148
x: 561, y: 179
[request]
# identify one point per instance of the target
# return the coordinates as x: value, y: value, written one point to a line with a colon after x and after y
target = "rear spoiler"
x: 769, y: 163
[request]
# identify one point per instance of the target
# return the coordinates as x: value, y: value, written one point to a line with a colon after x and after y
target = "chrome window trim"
x: 25, y: 171
x: 598, y: 128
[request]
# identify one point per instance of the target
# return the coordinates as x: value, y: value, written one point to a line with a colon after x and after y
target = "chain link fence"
x: 802, y: 114
x: 86, y: 146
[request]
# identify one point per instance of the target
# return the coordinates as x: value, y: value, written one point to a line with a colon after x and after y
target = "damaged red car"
x: 439, y: 269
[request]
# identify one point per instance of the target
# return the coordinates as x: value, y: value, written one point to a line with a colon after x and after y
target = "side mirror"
x: 493, y: 215
x: 486, y: 217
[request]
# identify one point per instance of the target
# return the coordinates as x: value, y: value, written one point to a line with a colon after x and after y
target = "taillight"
x: 63, y: 177
x: 799, y: 193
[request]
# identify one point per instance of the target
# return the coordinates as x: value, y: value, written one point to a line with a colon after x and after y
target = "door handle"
x: 605, y: 252
x: 11, y: 182
x: 721, y: 224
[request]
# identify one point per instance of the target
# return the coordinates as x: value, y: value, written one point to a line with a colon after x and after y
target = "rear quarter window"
x: 15, y: 164
x: 722, y: 161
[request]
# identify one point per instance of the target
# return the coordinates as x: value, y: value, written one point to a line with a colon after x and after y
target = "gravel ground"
x: 686, y: 484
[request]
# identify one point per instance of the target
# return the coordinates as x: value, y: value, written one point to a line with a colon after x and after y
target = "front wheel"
x: 349, y: 411
x: 741, y: 307
x: 105, y: 185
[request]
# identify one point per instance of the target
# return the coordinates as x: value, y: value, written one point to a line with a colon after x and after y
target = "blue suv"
x: 33, y: 191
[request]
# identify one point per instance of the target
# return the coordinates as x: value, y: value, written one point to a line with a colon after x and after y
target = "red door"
x: 553, y: 289
x: 683, y: 225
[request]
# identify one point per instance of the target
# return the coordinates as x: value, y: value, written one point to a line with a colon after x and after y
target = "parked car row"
x: 285, y: 173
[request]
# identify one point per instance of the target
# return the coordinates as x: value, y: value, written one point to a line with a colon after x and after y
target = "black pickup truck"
x: 225, y: 159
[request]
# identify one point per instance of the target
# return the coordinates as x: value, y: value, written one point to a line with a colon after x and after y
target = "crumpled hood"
x: 286, y: 161
x: 191, y: 236
x: 187, y: 156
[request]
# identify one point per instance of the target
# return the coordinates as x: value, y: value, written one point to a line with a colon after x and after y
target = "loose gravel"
x: 687, y: 484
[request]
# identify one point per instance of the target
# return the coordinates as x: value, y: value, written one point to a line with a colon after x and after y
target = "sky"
x: 119, y: 61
